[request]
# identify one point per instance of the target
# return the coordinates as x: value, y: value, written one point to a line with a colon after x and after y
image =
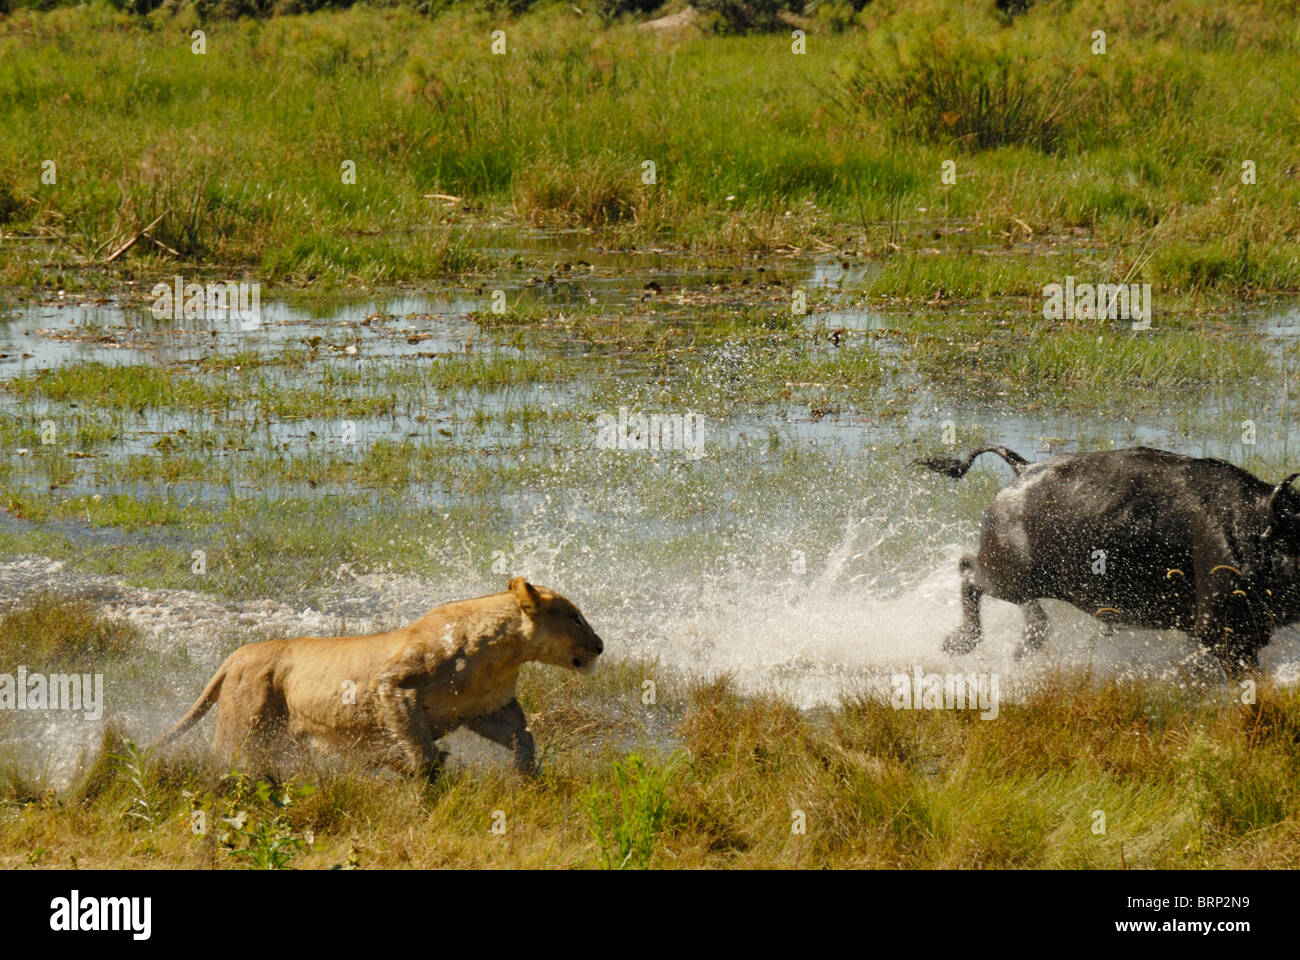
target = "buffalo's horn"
x: 1272, y: 501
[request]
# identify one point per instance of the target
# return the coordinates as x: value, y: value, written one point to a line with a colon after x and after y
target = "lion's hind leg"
x: 253, y: 729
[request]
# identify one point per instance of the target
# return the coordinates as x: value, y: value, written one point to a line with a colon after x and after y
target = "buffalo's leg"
x: 1035, y: 628
x: 1236, y: 648
x: 1227, y: 621
x: 1239, y: 658
x: 508, y: 727
x: 966, y: 637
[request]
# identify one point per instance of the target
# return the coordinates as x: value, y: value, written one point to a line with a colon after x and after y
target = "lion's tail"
x: 201, y: 706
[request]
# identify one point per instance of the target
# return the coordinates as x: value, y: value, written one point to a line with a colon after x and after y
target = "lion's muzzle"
x: 584, y: 659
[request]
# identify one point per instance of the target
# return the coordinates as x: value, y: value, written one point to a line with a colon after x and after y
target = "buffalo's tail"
x: 956, y: 467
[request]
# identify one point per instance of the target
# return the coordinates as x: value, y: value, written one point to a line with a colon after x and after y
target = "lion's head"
x: 561, y: 634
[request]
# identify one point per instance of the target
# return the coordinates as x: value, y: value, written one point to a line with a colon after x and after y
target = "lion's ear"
x: 530, y: 601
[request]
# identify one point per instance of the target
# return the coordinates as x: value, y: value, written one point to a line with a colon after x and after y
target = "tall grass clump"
x: 626, y: 820
x: 48, y: 629
x: 982, y: 99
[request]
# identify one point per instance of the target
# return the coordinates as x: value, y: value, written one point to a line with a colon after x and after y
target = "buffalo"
x: 1139, y: 537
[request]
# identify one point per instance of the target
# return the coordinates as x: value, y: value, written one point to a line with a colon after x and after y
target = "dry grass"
x: 708, y: 777
x: 47, y: 629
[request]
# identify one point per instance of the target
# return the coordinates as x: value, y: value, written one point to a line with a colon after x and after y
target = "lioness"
x: 384, y: 699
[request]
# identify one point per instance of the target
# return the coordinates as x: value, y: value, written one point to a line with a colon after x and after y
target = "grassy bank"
x: 1079, y: 773
x: 1129, y: 163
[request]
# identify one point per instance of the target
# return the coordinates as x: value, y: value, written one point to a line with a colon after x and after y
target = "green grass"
x: 1135, y: 155
x: 335, y: 390
x: 49, y: 630
x: 1065, y: 367
x: 1174, y: 779
x: 626, y: 822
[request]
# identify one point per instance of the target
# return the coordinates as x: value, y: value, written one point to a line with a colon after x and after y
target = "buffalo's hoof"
x: 960, y: 642
x: 1026, y: 650
x: 1203, y: 668
x: 434, y: 767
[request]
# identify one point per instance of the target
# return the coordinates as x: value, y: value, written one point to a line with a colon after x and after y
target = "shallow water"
x: 815, y: 581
